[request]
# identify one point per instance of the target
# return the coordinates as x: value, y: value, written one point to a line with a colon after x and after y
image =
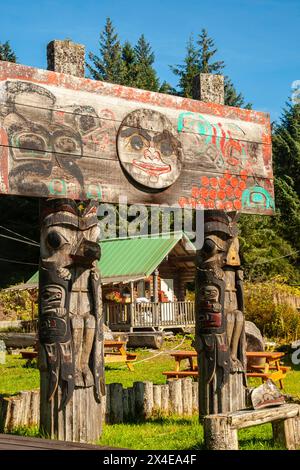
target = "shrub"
x: 16, y: 305
x: 267, y: 305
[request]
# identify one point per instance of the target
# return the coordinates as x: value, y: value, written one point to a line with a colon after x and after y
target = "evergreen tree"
x: 6, y: 52
x: 286, y: 157
x: 232, y: 97
x: 108, y: 66
x: 199, y: 59
x: 166, y: 88
x: 265, y: 253
x: 129, y: 59
x: 286, y: 145
x: 271, y: 245
x: 188, y: 70
x: 206, y: 52
x: 146, y: 76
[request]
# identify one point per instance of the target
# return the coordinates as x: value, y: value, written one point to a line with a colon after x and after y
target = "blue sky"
x: 257, y: 39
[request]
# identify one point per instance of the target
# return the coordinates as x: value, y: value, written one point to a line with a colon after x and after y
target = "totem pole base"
x: 79, y: 421
x: 213, y: 399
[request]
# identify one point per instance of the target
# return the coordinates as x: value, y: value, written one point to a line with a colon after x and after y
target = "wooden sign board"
x: 70, y: 137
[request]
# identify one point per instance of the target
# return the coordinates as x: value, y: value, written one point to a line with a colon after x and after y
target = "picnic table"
x: 29, y: 355
x: 180, y: 356
x: 115, y: 351
x: 266, y: 365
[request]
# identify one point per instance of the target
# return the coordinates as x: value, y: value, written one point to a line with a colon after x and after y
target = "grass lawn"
x: 160, y: 434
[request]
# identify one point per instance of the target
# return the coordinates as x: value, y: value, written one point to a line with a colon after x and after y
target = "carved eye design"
x: 209, y: 246
x: 65, y: 144
x: 54, y: 239
x: 136, y: 142
x: 87, y: 123
x: 30, y: 142
x: 166, y: 148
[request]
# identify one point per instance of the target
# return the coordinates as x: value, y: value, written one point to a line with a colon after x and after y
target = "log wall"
x: 134, y: 404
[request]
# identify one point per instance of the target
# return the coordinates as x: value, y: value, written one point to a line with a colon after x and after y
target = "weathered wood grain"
x: 221, y: 430
x: 13, y: 443
x: 69, y: 137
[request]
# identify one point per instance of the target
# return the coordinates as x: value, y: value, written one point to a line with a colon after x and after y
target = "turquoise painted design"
x: 257, y: 197
x: 94, y: 191
x: 58, y: 187
x: 202, y: 125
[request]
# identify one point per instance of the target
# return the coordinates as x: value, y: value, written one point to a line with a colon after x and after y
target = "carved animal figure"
x: 70, y: 322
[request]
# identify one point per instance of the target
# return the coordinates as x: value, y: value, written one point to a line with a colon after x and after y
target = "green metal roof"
x: 131, y: 258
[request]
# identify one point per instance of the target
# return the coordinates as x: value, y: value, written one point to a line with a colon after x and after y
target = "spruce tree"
x: 286, y: 157
x: 188, y: 70
x: 6, y: 52
x: 199, y: 59
x: 275, y: 240
x: 146, y: 76
x: 166, y: 88
x: 129, y: 60
x: 108, y: 65
x: 286, y: 145
x: 232, y: 97
x: 206, y: 52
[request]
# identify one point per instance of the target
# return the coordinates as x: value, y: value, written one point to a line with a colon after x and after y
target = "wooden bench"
x: 221, y: 430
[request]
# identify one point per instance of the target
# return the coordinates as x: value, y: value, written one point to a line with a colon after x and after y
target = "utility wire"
x: 17, y: 262
x: 20, y: 241
x: 18, y: 234
x: 275, y: 259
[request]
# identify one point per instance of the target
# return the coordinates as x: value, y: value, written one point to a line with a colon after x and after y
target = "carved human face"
x: 149, y: 149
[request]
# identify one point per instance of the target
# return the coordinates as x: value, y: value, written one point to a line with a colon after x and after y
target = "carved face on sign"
x: 149, y: 149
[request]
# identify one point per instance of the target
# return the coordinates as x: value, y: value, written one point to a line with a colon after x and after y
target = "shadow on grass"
x: 8, y: 395
x: 258, y: 444
x: 28, y: 432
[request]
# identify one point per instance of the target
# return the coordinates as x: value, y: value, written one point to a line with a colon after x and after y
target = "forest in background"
x: 270, y: 246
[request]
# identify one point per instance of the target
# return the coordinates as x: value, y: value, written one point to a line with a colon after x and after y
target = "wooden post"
x: 157, y: 399
x: 131, y: 403
x: 220, y: 335
x: 218, y: 434
x: 155, y: 286
x: 139, y: 390
x: 66, y: 57
x: 132, y: 306
x: 187, y: 396
x: 165, y: 399
x: 70, y: 311
x: 175, y: 391
x: 116, y: 403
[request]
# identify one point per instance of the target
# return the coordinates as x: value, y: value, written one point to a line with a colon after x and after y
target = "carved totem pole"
x: 66, y: 139
x: 220, y: 332
x: 70, y: 319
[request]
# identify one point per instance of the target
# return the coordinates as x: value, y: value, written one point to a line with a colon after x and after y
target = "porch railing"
x: 150, y: 314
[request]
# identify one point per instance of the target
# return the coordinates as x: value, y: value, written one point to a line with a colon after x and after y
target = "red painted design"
x: 221, y: 194
x: 204, y: 181
x: 242, y: 184
x: 237, y: 204
x: 213, y: 182
x: 22, y: 72
x: 234, y: 182
x: 212, y: 194
x: 229, y: 197
x: 3, y: 161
